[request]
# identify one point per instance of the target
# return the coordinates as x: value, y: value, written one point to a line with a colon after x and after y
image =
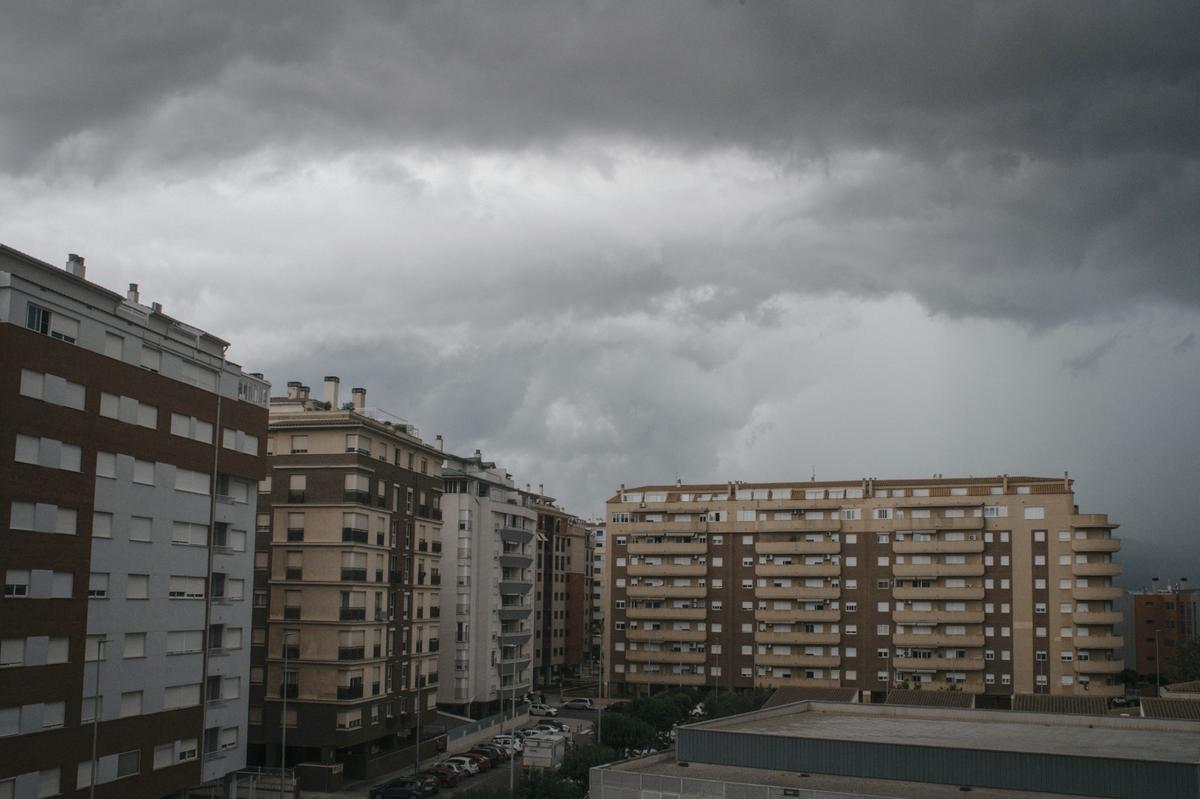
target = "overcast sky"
x: 619, y: 242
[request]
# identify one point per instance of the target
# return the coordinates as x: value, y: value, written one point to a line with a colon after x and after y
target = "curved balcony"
x: 515, y: 535
x: 515, y: 638
x: 659, y: 678
x: 798, y: 526
x: 937, y: 617
x: 514, y: 612
x: 966, y: 523
x: 938, y: 570
x: 1095, y: 569
x: 802, y: 592
x: 799, y: 661
x: 934, y: 639
x: 1100, y: 593
x: 828, y: 547
x: 1095, y: 544
x: 642, y: 656
x: 938, y: 592
x: 1099, y: 666
x: 662, y: 528
x: 938, y: 664
x: 799, y: 570
x: 1104, y: 618
x: 796, y: 615
x: 937, y: 547
x: 669, y: 548
x: 801, y: 638
x: 689, y: 614
x: 667, y: 570
x: 667, y: 591
x: 508, y: 667
x: 665, y: 635
x: 1099, y: 642
x: 799, y: 681
x: 1092, y: 520
x: 511, y: 560
x: 518, y: 587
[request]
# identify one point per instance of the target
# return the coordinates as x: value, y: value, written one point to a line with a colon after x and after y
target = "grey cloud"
x: 1184, y: 344
x: 1090, y: 360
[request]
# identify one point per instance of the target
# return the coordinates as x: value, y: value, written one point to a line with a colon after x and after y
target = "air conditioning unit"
x: 972, y: 536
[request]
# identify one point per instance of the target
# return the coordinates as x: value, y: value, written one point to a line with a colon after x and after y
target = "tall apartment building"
x: 487, y: 556
x: 131, y: 447
x: 563, y: 593
x: 1163, y: 618
x: 599, y: 543
x: 989, y: 585
x: 346, y: 585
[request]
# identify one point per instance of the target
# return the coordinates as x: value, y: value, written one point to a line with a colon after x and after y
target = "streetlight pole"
x: 1157, y: 666
x: 100, y: 643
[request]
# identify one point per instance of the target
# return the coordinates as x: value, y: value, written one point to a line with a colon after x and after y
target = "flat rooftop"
x: 672, y: 778
x: 1157, y: 740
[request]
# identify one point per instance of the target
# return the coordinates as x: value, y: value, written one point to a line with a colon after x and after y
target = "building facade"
x: 563, y: 593
x: 346, y: 585
x: 132, y: 448
x: 599, y: 544
x: 488, y: 559
x: 1162, y: 620
x: 989, y: 585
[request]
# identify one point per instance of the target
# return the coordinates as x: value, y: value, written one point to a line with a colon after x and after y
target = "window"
x: 181, y: 696
x: 164, y: 755
x: 114, y: 346
x: 190, y: 534
x: 37, y: 319
x: 137, y: 586
x: 186, y: 588
x: 102, y: 524
x: 143, y: 472
x: 151, y: 359
x: 131, y: 704
x: 53, y: 714
x: 12, y: 652
x: 191, y: 482
x: 128, y: 763
x: 57, y: 652
x: 106, y: 464
x: 140, y: 528
x: 135, y: 645
x: 98, y: 586
x: 181, y: 642
x: 52, y: 389
x: 1035, y: 513
x: 16, y: 583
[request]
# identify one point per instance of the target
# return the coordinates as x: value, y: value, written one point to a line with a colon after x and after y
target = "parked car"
x: 484, y: 763
x: 561, y: 726
x: 494, y: 755
x: 528, y: 731
x: 616, y: 707
x: 399, y: 788
x: 511, y: 743
x: 429, y: 785
x: 446, y: 776
x: 579, y: 703
x: 470, y: 764
x: 457, y: 768
x: 538, y: 709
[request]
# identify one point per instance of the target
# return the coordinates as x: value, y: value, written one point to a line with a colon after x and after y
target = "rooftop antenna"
x: 814, y: 473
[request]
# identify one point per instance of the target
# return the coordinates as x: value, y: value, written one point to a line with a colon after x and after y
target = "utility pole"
x: 283, y: 720
x: 100, y: 643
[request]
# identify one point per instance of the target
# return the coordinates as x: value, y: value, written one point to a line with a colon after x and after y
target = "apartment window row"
x: 37, y: 584
x: 41, y: 784
x: 52, y: 389
x: 110, y: 465
x: 128, y: 410
x: 109, y: 769
x: 27, y: 719
x: 191, y: 427
x: 38, y: 650
x: 48, y: 452
x: 42, y: 517
x: 239, y: 441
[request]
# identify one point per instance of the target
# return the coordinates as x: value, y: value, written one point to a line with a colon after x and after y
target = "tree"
x: 1184, y: 666
x: 579, y: 761
x: 540, y: 784
x: 621, y: 731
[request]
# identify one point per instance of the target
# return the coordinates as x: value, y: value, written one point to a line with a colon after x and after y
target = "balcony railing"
x: 295, y: 497
x: 351, y: 652
x: 435, y: 579
x: 289, y: 691
x: 354, y: 575
x: 291, y: 652
x: 293, y: 573
x: 354, y: 536
x: 347, y: 692
x: 291, y: 613
x: 429, y: 513
x: 436, y: 546
x: 352, y: 614
x: 360, y: 497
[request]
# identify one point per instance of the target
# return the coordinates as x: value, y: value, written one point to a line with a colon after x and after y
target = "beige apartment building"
x: 993, y: 586
x: 347, y: 585
x: 562, y: 593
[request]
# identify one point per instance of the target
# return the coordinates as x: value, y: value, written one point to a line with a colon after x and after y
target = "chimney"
x: 133, y: 295
x: 156, y: 307
x: 75, y: 265
x: 441, y: 445
x: 478, y: 455
x: 359, y: 397
x: 293, y: 389
x: 304, y: 390
x: 331, y: 390
x: 541, y: 489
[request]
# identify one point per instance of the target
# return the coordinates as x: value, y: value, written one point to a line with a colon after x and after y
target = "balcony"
x: 514, y: 612
x: 1103, y: 618
x: 667, y: 570
x: 352, y: 614
x: 669, y: 548
x: 937, y: 547
x: 938, y: 592
x: 827, y: 547
x: 295, y: 534
x: 668, y: 591
x: 935, y: 639
x: 351, y: 535
x: 515, y: 586
x: 1099, y: 593
x: 1095, y: 569
x: 427, y: 512
x: 507, y: 667
x: 643, y: 656
x: 296, y: 497
x: 796, y: 615
x: 293, y: 573
x: 1092, y: 520
x: 515, y: 560
x: 937, y: 617
x: 796, y: 526
x: 289, y: 691
x: 660, y: 528
x: 1095, y: 544
x: 359, y: 497
x: 801, y: 592
x: 1099, y: 642
x: 799, y: 661
x: 682, y: 614
x: 938, y: 664
x: 796, y: 680
x: 351, y: 652
x: 960, y: 524
x: 1099, y: 666
x: 801, y: 638
x: 515, y: 637
x: 798, y: 570
x: 354, y: 575
x: 937, y: 570
x: 291, y: 613
x: 661, y: 678
x: 291, y: 652
x: 347, y: 693
x: 665, y: 635
x: 515, y: 535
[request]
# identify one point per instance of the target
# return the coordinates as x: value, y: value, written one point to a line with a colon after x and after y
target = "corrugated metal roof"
x: 1183, y: 709
x: 1192, y: 687
x: 1050, y: 703
x: 786, y: 696
x: 910, y: 698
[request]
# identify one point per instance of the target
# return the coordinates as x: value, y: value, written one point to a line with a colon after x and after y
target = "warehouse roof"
x: 921, y: 698
x: 1061, y: 703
